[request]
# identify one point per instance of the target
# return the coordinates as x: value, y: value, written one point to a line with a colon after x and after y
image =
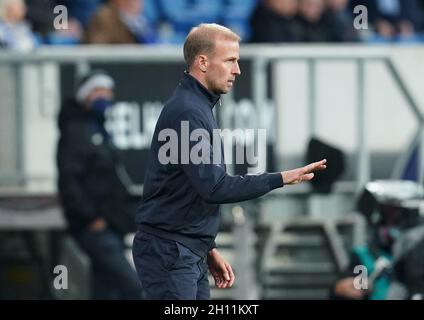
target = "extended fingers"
x: 307, y: 177
x: 320, y: 165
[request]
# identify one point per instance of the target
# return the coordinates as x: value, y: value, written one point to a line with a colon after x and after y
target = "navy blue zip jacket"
x: 181, y: 198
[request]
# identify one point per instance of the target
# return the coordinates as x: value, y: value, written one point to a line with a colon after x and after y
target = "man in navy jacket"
x: 186, y: 180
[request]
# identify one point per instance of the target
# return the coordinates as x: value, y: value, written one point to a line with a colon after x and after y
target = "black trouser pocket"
x: 154, y: 252
x: 168, y: 251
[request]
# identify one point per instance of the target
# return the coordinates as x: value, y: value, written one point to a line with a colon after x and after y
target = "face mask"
x: 99, y: 106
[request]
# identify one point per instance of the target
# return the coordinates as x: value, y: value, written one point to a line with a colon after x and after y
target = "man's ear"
x: 203, y: 63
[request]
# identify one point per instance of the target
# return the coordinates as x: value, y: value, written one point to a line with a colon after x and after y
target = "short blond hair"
x: 201, y: 40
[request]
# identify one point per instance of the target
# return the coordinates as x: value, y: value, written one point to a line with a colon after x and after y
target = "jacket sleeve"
x: 72, y: 169
x: 208, y: 176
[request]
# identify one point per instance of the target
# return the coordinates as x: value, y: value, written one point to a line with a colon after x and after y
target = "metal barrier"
x: 302, y: 256
x: 261, y: 56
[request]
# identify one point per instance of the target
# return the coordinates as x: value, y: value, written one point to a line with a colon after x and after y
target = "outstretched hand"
x: 305, y: 173
x: 220, y: 270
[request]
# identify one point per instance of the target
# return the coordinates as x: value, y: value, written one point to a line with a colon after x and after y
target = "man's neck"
x: 199, y: 77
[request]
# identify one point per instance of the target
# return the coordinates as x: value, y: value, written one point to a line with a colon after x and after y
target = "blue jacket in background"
x: 180, y: 201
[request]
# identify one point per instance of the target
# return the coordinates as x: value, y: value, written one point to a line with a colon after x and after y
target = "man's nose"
x: 236, y: 69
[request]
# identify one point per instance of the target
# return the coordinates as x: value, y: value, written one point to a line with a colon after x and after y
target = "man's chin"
x: 224, y: 90
x: 221, y: 91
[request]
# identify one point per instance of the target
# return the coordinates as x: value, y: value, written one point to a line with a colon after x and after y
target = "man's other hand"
x: 305, y: 173
x: 220, y: 270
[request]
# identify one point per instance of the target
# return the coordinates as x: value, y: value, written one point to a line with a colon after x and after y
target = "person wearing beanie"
x: 94, y: 199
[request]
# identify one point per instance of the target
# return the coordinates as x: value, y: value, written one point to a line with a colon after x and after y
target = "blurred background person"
x: 91, y: 192
x: 179, y: 16
x: 41, y: 14
x: 15, y: 31
x: 393, y: 20
x: 81, y: 10
x: 377, y: 250
x: 312, y: 22
x: 389, y: 220
x: 120, y: 22
x: 340, y: 19
x: 273, y: 21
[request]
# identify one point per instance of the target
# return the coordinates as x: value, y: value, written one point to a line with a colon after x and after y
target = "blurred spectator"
x: 82, y: 10
x: 69, y: 36
x: 235, y: 15
x: 41, y: 15
x: 377, y: 249
x: 395, y: 229
x: 120, y: 22
x: 393, y: 19
x: 94, y: 199
x: 273, y: 21
x: 15, y: 32
x: 313, y: 25
x: 341, y: 21
x: 179, y: 16
x: 376, y: 257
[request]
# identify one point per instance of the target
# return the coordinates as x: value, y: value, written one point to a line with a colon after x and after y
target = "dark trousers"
x: 168, y: 270
x: 113, y: 276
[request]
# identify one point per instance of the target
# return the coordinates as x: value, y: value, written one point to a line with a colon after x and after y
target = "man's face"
x: 223, y: 67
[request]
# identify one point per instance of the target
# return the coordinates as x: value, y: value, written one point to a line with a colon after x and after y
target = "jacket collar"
x: 192, y: 83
